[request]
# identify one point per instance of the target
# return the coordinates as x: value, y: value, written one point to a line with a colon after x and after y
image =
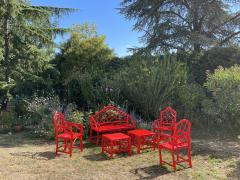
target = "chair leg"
x: 174, y: 162
x: 177, y: 152
x: 97, y: 138
x: 81, y: 144
x: 56, y: 147
x: 91, y: 135
x: 70, y: 147
x: 160, y: 156
x: 189, y: 157
x: 65, y: 145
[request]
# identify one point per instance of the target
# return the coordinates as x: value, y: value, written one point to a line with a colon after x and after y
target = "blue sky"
x: 103, y: 13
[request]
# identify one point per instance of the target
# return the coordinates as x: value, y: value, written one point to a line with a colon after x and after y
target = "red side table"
x: 116, y: 143
x: 142, y: 139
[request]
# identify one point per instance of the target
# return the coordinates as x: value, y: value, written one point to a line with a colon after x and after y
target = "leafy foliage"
x: 211, y: 59
x: 225, y: 104
x: 81, y: 65
x: 26, y: 42
x: 186, y: 25
x: 190, y: 97
x: 149, y: 83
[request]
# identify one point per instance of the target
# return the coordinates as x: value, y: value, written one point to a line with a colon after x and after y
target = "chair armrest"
x: 72, y: 125
x: 64, y: 129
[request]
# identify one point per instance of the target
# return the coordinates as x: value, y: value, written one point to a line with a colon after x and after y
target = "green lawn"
x: 24, y: 158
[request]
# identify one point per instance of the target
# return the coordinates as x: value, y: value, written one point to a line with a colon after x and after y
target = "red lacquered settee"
x: 109, y: 120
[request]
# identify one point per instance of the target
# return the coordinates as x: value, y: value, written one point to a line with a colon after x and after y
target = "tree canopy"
x: 26, y: 40
x: 81, y: 64
x: 183, y: 24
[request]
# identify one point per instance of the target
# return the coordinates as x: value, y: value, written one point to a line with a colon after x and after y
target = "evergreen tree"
x: 26, y: 36
x: 183, y: 24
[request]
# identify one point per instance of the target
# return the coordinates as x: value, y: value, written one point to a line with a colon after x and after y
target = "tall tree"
x: 183, y: 24
x: 81, y: 64
x: 24, y: 29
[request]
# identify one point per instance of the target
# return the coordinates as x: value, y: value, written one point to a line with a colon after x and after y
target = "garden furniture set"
x: 109, y: 120
x: 118, y: 133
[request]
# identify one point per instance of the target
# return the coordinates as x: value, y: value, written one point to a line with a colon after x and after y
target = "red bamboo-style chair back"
x: 168, y: 117
x: 59, y: 122
x: 182, y: 132
x: 163, y: 126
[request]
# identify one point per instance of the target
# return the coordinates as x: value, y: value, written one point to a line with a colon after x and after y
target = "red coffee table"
x: 116, y: 143
x: 142, y: 139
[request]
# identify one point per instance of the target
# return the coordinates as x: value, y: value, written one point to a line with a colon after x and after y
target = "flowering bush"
x: 41, y: 111
x: 82, y: 118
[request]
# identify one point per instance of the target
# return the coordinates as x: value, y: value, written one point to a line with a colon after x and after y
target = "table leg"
x: 102, y: 145
x: 111, y: 149
x: 129, y: 147
x: 138, y: 144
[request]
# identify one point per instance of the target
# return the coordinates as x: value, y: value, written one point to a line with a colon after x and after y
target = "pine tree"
x: 26, y: 35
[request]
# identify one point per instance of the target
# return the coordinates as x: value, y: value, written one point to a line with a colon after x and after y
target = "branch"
x: 48, y: 9
x: 178, y: 15
x: 227, y: 21
x: 228, y: 38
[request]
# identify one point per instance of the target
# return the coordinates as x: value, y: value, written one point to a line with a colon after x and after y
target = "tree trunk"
x: 196, y: 27
x: 6, y: 54
x: 6, y: 45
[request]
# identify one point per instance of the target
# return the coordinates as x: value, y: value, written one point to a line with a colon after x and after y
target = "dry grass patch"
x: 24, y: 158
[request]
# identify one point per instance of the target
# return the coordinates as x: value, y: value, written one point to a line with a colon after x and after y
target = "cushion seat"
x: 168, y: 145
x: 107, y: 128
x: 68, y: 136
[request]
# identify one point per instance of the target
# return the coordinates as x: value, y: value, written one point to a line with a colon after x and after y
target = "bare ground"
x: 22, y: 157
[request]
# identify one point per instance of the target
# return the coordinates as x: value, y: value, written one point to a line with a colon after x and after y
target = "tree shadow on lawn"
x: 20, y: 139
x: 219, y: 149
x: 48, y: 155
x: 150, y: 172
x: 103, y: 157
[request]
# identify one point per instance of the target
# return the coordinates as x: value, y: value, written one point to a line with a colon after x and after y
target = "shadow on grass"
x: 150, y: 172
x: 96, y: 157
x: 48, y: 155
x: 19, y: 139
x: 219, y: 144
x: 215, y: 149
x: 95, y: 154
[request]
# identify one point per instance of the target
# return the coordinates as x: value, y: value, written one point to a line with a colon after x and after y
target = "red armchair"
x: 180, y: 140
x: 163, y: 126
x: 68, y: 132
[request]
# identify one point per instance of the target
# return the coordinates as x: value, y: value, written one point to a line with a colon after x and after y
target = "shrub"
x: 41, y: 110
x: 149, y: 83
x: 190, y: 97
x: 82, y: 118
x: 6, y: 119
x: 224, y: 84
